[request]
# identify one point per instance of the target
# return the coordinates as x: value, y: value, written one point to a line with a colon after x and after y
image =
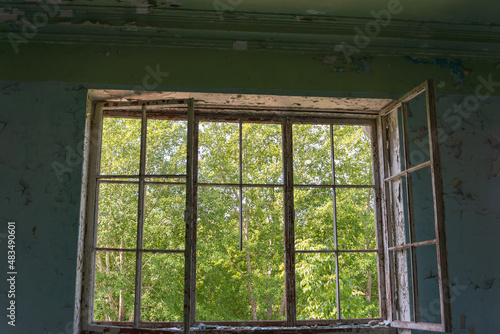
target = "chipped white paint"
x: 249, y: 100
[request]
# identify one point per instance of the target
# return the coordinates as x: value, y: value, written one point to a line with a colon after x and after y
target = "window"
x: 239, y: 215
x: 416, y: 274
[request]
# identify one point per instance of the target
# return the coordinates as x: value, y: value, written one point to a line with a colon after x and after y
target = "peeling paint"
x: 314, y: 12
x: 456, y: 67
x: 13, y: 16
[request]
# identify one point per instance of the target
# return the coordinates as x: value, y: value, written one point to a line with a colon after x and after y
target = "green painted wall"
x: 43, y: 95
x: 241, y: 71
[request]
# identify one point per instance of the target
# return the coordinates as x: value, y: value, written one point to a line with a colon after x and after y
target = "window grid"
x: 336, y: 251
x: 143, y: 179
x: 411, y: 245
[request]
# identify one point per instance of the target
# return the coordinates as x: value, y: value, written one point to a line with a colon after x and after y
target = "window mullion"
x: 335, y: 236
x: 409, y: 208
x: 240, y: 143
x: 140, y: 220
x: 190, y: 220
x: 289, y: 222
x: 387, y: 215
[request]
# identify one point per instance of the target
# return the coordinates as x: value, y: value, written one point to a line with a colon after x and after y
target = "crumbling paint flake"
x: 66, y: 13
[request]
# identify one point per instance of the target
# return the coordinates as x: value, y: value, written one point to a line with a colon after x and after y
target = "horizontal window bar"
x: 335, y: 322
x: 409, y: 170
x: 166, y: 176
x: 145, y: 182
x: 414, y: 244
x: 418, y: 325
x: 248, y: 323
x: 368, y: 186
x: 110, y: 104
x: 176, y: 251
x: 338, y: 251
x: 246, y: 185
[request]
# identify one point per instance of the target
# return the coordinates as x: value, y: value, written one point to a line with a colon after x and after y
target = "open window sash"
x: 417, y: 284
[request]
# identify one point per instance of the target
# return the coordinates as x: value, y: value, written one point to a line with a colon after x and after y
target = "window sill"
x: 211, y: 329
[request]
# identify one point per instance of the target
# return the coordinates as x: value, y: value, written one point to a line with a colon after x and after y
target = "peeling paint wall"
x: 41, y: 133
x: 471, y: 193
x: 39, y: 123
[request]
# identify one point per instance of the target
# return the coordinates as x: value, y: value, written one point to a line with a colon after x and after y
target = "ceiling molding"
x: 337, y: 36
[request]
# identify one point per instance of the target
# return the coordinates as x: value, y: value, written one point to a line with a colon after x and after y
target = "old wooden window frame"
x: 405, y: 170
x: 83, y: 321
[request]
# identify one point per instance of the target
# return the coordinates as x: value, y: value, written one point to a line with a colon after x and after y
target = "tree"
x: 234, y: 284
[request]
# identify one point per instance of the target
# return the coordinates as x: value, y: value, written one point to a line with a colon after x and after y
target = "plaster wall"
x: 42, y: 117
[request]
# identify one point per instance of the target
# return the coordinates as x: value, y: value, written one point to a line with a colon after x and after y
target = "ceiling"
x: 451, y: 28
x: 453, y: 11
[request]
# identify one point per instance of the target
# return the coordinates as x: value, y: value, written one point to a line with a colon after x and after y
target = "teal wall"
x: 42, y: 114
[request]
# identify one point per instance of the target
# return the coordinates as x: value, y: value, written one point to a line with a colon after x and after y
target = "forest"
x: 233, y: 283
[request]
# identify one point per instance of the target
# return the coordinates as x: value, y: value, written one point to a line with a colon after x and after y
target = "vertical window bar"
x: 95, y: 161
x: 409, y: 207
x: 440, y: 227
x: 241, y: 182
x: 335, y: 236
x: 379, y: 232
x: 289, y: 222
x: 140, y: 221
x: 190, y: 219
x: 387, y: 215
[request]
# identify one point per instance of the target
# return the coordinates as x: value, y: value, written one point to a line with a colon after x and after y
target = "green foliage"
x: 234, y: 284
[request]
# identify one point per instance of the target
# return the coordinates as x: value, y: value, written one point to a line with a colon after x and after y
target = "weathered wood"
x: 386, y: 214
x: 338, y: 251
x: 335, y: 235
x: 409, y: 170
x: 244, y: 185
x: 190, y: 220
x: 161, y: 251
x: 90, y: 219
x: 141, y: 103
x: 393, y: 105
x: 409, y: 208
x: 243, y: 100
x: 240, y: 165
x: 146, y: 176
x: 140, y: 219
x: 413, y: 244
x: 437, y: 192
x: 289, y: 222
x: 420, y: 325
x: 345, y: 186
x: 230, y: 115
x: 145, y: 182
x: 286, y: 118
x: 82, y: 218
x: 379, y: 231
x: 397, y: 267
x: 306, y: 328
